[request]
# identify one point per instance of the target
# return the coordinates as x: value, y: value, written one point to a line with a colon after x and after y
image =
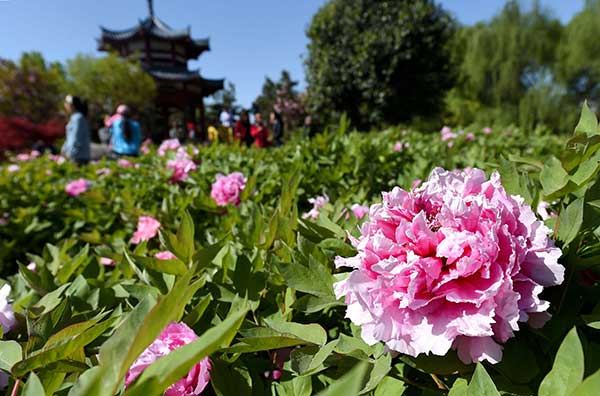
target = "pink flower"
x: 487, y: 130
x: 174, y: 336
x: 59, y: 159
x: 227, y: 189
x: 447, y: 134
x: 23, y: 157
x: 48, y: 172
x: 13, y: 168
x: 181, y: 168
x: 147, y: 228
x: 34, y: 154
x: 77, y: 187
x: 318, y: 204
x: 416, y: 183
x: 398, y: 146
x: 360, y: 211
x: 7, y: 315
x: 107, y: 261
x: 124, y: 163
x: 168, y: 145
x: 32, y: 267
x: 145, y: 147
x: 455, y: 263
x: 469, y: 137
x: 166, y: 255
x: 103, y: 171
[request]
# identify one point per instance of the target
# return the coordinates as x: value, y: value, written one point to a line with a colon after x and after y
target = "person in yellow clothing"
x: 213, y: 134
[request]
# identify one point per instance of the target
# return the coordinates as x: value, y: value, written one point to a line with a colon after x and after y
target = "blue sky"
x: 249, y: 40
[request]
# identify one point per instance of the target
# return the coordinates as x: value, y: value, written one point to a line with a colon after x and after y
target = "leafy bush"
x: 255, y: 281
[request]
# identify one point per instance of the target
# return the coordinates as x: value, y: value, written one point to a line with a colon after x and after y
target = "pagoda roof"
x: 209, y: 86
x: 154, y: 27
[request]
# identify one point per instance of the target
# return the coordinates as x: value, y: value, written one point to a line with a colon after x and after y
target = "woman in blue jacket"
x: 77, y: 142
x: 126, y: 134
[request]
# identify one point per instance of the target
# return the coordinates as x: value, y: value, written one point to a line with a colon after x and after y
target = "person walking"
x: 259, y: 132
x: 126, y: 134
x: 77, y: 143
x: 277, y: 127
x: 242, y: 129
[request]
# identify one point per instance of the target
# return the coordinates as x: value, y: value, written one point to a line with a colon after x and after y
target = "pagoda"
x: 164, y: 53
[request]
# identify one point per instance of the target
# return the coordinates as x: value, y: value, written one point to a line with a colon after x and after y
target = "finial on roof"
x: 151, y: 8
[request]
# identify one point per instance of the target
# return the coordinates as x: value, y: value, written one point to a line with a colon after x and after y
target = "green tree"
x: 109, y: 81
x: 379, y: 62
x: 506, y: 66
x: 31, y: 88
x: 578, y: 55
x: 282, y: 97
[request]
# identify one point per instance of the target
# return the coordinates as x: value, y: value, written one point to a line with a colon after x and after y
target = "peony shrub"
x: 77, y: 187
x: 454, y: 264
x: 147, y: 228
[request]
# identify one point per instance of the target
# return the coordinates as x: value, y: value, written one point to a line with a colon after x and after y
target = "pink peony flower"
x: 59, y: 159
x: 168, y: 145
x: 7, y: 315
x: 447, y: 134
x: 455, y: 263
x: 77, y: 187
x: 147, y: 228
x: 487, y: 130
x: 23, y: 157
x: 34, y: 154
x: 181, y: 168
x: 103, y: 171
x: 542, y: 210
x: 107, y: 261
x: 227, y: 189
x: 166, y: 255
x: 360, y: 211
x: 174, y: 336
x: 398, y: 146
x: 145, y: 147
x: 13, y: 168
x: 469, y: 137
x: 318, y: 204
x: 124, y: 163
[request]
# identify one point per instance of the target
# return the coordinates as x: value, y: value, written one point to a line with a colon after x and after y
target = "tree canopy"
x: 379, y: 62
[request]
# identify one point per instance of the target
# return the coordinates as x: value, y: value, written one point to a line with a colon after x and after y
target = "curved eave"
x: 210, y: 86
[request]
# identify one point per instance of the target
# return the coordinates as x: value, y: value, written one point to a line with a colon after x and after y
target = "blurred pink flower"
x: 23, y: 157
x: 59, y: 159
x: 103, y: 171
x: 32, y: 267
x: 124, y: 163
x: 13, y: 168
x: 181, y: 168
x: 469, y: 137
x: 147, y: 228
x: 7, y: 316
x: 487, y: 130
x: 359, y: 211
x: 318, y: 204
x: 174, y: 336
x: 453, y: 264
x: 168, y: 145
x: 227, y: 189
x: 447, y: 134
x: 77, y: 187
x: 107, y: 261
x: 166, y: 255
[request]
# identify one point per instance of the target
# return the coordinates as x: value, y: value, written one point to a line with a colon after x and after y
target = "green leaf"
x: 588, y: 123
x: 169, y: 369
x: 391, y: 386
x: 314, y: 279
x: 309, y: 360
x: 589, y: 387
x: 312, y: 333
x: 553, y: 177
x: 481, y: 384
x: 587, y: 170
x: 10, y: 353
x: 567, y: 371
x: 61, y: 349
x: 312, y: 304
x: 185, y: 237
x: 349, y: 384
x: 174, y: 267
x: 380, y: 369
x: 459, y: 388
x: 571, y: 220
x: 33, y: 387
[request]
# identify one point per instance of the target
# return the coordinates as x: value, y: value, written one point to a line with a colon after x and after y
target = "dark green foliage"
x: 379, y: 62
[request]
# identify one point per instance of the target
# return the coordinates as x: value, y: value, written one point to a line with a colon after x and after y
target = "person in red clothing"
x: 259, y: 132
x: 241, y: 130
